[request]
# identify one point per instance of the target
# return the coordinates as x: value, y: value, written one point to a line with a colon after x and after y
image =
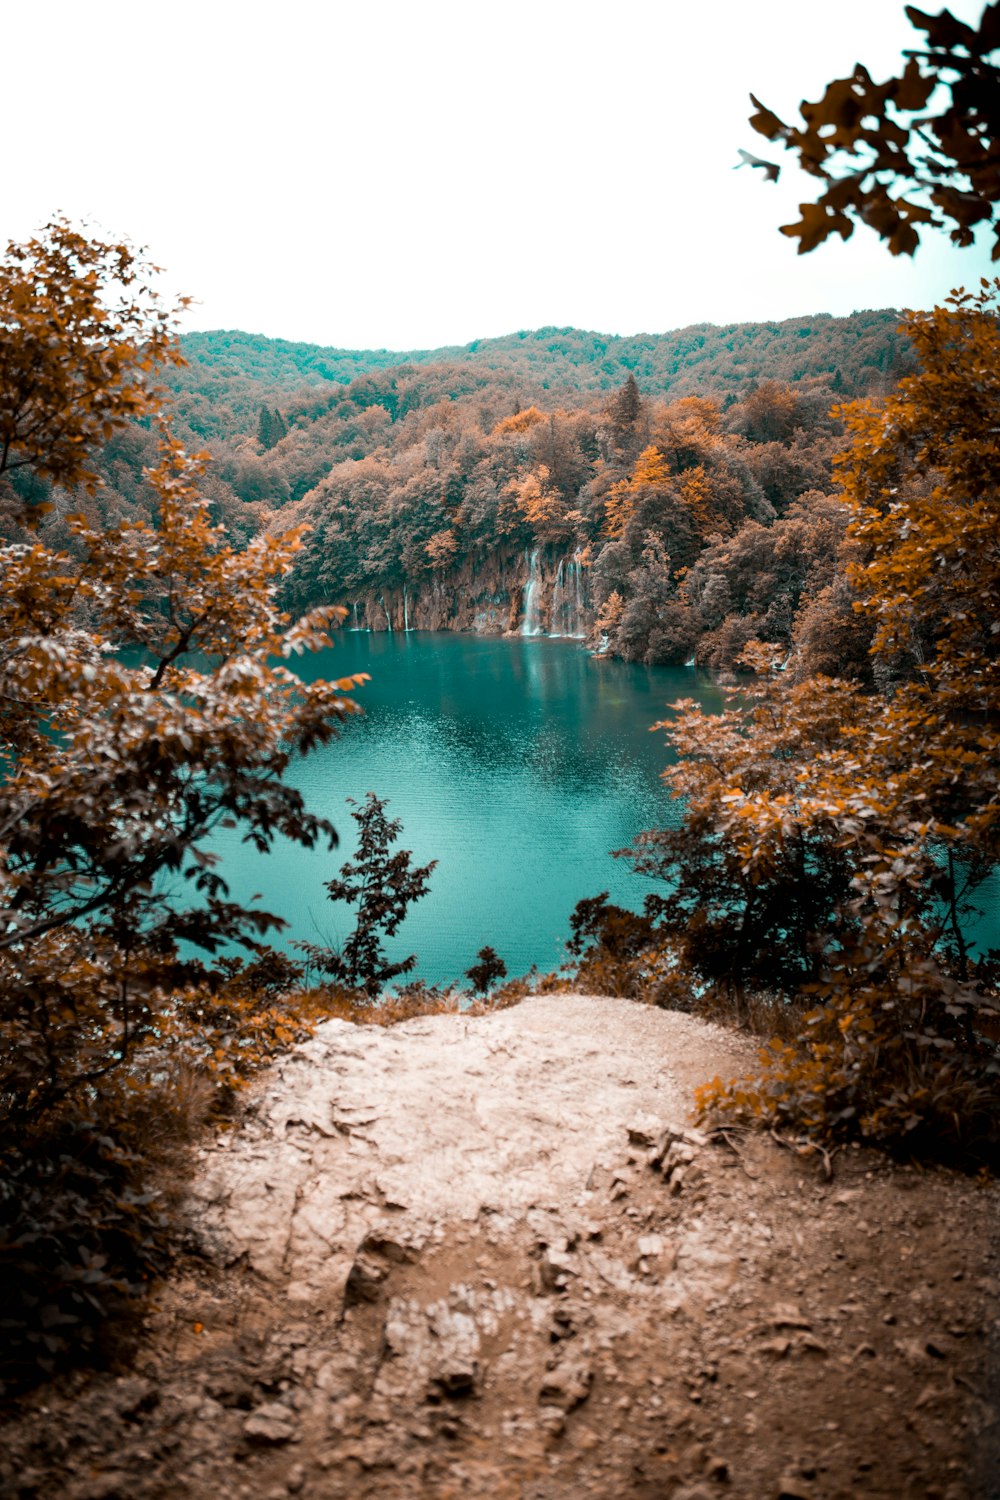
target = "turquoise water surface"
x: 516, y: 764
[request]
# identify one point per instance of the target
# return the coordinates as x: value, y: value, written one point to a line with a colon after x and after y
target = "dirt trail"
x: 489, y: 1257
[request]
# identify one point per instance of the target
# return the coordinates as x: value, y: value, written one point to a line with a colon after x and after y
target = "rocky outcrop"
x: 534, y: 591
x: 489, y: 1258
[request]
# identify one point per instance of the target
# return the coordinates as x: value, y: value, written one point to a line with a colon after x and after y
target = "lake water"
x: 517, y: 764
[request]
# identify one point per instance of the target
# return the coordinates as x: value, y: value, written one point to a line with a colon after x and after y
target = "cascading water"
x: 406, y: 614
x: 567, y: 600
x: 355, y: 626
x: 532, y: 622
x: 388, y: 617
x: 557, y: 623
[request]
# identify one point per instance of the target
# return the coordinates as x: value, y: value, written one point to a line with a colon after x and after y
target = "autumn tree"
x: 541, y: 506
x: 921, y: 150
x: 84, y: 331
x: 146, y: 699
x: 898, y: 792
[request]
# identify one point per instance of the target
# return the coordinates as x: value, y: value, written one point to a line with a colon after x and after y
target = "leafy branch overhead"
x: 83, y: 331
x: 919, y: 151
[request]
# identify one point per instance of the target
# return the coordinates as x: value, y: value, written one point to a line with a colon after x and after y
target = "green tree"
x: 383, y: 885
x: 265, y: 429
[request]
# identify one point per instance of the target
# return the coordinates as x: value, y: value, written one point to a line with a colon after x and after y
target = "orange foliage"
x: 521, y: 421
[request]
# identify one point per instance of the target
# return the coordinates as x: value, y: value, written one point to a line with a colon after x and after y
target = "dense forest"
x: 664, y: 497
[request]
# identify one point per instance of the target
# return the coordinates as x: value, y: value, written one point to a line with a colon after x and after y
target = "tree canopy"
x: 83, y: 330
x: 145, y: 696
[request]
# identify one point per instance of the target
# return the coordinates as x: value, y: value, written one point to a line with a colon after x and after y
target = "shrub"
x: 487, y: 971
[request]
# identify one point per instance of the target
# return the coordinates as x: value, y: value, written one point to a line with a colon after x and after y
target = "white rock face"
x: 441, y: 1120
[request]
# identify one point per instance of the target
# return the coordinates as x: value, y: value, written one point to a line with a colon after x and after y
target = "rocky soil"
x: 490, y: 1257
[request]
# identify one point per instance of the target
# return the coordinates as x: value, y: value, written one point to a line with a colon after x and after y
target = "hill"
x: 666, y: 496
x: 230, y: 374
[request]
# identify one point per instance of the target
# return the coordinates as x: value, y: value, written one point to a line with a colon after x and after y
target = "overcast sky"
x: 411, y: 173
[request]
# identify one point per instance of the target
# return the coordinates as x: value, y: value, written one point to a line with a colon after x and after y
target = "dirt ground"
x: 491, y: 1258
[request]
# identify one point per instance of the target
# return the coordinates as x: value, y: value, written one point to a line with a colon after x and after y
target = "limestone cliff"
x: 534, y: 591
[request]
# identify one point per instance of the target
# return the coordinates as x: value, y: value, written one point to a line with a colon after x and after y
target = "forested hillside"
x: 664, y: 497
x: 229, y: 375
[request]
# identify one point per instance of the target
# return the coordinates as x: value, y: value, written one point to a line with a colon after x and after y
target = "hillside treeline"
x: 667, y: 497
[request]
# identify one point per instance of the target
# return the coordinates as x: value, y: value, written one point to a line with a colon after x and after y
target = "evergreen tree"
x: 265, y: 429
x: 383, y: 885
x: 489, y: 968
x: 625, y: 414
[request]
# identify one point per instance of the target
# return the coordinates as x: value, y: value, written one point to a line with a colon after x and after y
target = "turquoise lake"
x: 517, y: 764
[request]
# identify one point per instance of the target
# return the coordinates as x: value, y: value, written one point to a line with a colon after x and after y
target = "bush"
x: 891, y: 1057
x: 83, y: 1230
x: 487, y: 971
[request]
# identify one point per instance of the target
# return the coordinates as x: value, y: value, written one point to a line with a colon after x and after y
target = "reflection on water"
x: 517, y: 764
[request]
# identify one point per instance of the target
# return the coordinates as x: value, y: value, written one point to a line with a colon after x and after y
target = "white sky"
x: 411, y: 173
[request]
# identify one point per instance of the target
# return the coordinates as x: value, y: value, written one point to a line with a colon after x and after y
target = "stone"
x: 365, y: 1280
x: 567, y: 1385
x: 791, y: 1487
x: 270, y: 1425
x: 644, y: 1130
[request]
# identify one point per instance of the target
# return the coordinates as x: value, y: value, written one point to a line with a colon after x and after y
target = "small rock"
x: 912, y: 1350
x: 567, y: 1385
x: 553, y: 1420
x: 133, y: 1395
x: 786, y: 1315
x: 791, y: 1487
x: 112, y: 1485
x: 645, y: 1130
x: 389, y: 1246
x: 778, y: 1347
x: 365, y: 1280
x: 270, y: 1425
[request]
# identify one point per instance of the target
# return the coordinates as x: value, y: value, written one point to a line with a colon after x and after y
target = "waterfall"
x: 388, y: 617
x: 532, y: 623
x: 579, y: 622
x: 568, y: 616
x: 557, y: 624
x: 406, y: 614
x: 355, y: 626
